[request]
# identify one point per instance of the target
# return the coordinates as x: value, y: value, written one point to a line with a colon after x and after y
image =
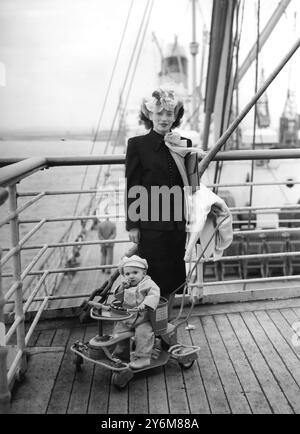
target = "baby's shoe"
x: 140, y: 362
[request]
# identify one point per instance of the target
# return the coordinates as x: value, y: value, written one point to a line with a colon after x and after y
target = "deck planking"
x: 79, y: 397
x: 61, y: 392
x: 211, y: 380
x: 274, y: 394
x: 157, y: 392
x: 247, y: 364
x: 274, y: 359
x: 230, y: 381
x: 196, y: 394
x: 250, y: 385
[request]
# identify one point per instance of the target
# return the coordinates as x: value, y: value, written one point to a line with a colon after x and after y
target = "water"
x: 54, y: 179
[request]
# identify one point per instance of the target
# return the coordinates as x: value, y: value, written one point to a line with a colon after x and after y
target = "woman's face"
x: 162, y: 121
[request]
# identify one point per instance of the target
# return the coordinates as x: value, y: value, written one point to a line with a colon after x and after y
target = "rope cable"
x: 255, y: 110
x: 105, y: 99
x: 68, y: 232
x: 116, y: 112
x: 123, y: 86
x: 236, y: 86
x: 128, y: 93
x: 133, y: 75
x: 184, y: 285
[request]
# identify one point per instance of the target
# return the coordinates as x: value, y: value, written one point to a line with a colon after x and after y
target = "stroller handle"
x: 106, y: 307
x: 98, y: 305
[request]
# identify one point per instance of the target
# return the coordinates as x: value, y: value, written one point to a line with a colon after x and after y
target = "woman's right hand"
x: 134, y: 235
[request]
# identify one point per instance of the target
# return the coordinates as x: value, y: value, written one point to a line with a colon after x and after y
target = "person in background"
x: 107, y: 231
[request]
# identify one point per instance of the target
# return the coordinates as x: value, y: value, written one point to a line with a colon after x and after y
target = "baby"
x: 140, y: 292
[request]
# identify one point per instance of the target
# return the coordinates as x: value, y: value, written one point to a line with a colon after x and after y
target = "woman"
x: 154, y: 193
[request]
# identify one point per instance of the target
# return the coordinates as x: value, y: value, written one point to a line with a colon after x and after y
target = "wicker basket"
x: 159, y: 317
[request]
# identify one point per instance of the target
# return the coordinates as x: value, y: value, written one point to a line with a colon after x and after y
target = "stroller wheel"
x: 186, y: 365
x: 117, y: 381
x: 121, y: 379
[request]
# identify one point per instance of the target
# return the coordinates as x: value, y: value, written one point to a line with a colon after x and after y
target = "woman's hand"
x: 134, y: 235
x: 201, y: 153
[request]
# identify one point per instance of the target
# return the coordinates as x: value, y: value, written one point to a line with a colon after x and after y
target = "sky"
x: 57, y: 57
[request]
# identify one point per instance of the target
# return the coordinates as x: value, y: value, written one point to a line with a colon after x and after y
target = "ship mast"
x: 288, y: 129
x: 194, y: 48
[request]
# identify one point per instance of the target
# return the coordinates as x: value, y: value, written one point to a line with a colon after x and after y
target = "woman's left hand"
x: 134, y: 235
x: 201, y: 153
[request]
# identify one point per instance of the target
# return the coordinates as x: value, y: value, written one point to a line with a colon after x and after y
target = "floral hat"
x: 161, y: 99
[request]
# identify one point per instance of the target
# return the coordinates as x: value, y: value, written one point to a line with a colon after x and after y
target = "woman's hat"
x: 133, y: 261
x: 162, y: 98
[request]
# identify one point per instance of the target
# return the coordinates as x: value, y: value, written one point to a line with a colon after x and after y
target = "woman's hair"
x: 149, y: 124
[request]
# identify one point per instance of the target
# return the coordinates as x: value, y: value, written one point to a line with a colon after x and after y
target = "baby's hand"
x: 141, y: 307
x: 126, y: 284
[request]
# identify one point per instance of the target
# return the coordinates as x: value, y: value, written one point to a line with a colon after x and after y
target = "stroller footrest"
x: 99, y: 341
x: 184, y: 353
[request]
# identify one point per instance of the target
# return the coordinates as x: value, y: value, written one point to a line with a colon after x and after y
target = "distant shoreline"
x: 101, y: 136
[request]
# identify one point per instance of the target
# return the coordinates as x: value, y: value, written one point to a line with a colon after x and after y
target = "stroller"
x: 99, y: 349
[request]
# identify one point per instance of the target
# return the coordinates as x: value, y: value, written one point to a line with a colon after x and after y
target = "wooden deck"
x: 247, y: 364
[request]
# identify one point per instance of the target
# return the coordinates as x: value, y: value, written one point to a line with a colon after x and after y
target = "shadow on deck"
x: 249, y: 363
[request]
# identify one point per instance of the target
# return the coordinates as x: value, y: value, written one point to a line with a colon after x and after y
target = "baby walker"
x: 99, y: 349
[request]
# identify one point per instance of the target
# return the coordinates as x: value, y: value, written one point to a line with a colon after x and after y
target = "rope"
x: 105, y: 100
x: 124, y: 85
x: 183, y: 350
x: 116, y: 112
x: 68, y: 232
x: 255, y: 110
x: 133, y: 75
x: 237, y: 66
x: 192, y: 269
x: 125, y: 80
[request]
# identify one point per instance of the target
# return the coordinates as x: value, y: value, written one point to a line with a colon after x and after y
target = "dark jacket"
x: 149, y: 164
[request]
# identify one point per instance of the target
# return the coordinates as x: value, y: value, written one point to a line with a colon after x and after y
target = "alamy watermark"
x: 138, y: 203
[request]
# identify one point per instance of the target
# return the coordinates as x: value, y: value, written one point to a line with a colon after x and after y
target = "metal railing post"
x: 17, y: 271
x: 4, y: 390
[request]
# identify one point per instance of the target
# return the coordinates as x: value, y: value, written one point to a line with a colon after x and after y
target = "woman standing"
x: 154, y: 193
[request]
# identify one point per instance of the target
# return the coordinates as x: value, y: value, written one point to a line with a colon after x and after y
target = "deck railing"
x: 30, y: 286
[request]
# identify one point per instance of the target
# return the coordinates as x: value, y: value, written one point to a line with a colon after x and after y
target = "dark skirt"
x: 164, y: 252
